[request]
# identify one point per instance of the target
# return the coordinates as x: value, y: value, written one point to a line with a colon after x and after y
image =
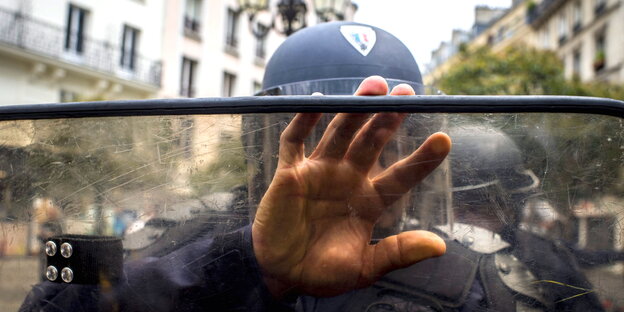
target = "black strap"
x: 498, y: 296
x: 84, y: 259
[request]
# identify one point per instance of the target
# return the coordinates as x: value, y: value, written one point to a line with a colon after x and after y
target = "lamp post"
x: 331, y: 9
x: 292, y: 14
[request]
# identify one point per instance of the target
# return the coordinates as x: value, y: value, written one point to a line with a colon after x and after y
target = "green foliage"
x: 517, y: 71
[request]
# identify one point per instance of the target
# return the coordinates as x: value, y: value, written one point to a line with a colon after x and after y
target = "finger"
x: 403, y: 89
x: 340, y: 131
x: 373, y: 85
x: 395, y: 181
x: 370, y: 140
x: 291, y: 140
x: 402, y: 250
x: 338, y: 135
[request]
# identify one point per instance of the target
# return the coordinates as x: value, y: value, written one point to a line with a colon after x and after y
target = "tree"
x: 517, y: 71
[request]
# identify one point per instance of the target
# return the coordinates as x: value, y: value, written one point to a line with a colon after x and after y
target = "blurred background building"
x: 484, y: 16
x: 59, y: 50
x: 585, y: 34
x: 72, y: 50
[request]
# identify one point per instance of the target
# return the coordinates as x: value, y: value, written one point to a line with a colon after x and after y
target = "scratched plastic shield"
x: 529, y: 187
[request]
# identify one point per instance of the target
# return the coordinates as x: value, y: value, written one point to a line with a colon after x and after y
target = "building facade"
x: 441, y: 57
x: 585, y: 34
x: 72, y: 50
x: 208, y: 50
x: 60, y: 50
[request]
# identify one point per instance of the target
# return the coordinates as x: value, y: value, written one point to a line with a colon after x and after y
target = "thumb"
x: 402, y: 250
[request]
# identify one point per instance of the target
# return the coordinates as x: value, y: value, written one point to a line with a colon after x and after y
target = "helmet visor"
x: 339, y: 86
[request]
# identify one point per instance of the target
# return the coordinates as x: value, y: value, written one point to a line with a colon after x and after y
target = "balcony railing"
x: 191, y: 24
x: 48, y: 40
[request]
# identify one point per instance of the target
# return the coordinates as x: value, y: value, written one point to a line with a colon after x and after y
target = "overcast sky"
x: 421, y: 24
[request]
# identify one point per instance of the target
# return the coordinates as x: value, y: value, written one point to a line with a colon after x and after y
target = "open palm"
x: 313, y: 226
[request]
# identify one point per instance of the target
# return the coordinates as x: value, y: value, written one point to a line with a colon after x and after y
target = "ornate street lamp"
x: 331, y: 9
x: 292, y: 14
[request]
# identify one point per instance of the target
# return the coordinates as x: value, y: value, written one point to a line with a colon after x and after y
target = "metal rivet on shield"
x: 66, y: 250
x: 51, y: 273
x: 468, y: 240
x: 67, y: 275
x: 50, y: 248
x: 504, y: 268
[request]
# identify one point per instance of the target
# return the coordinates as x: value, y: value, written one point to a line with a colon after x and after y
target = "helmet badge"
x: 362, y: 38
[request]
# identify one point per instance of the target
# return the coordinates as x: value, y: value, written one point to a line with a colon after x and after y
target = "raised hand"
x: 313, y: 226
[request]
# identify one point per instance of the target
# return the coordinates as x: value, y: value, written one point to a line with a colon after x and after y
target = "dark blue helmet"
x: 488, y: 174
x: 333, y: 58
x: 483, y: 156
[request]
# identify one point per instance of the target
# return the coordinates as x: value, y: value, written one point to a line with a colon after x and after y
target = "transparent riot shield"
x: 528, y: 202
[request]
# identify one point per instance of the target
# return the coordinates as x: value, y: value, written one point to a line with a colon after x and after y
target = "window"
x: 546, y: 38
x: 500, y: 35
x: 67, y: 96
x: 261, y: 42
x: 576, y: 63
x: 192, y: 17
x: 231, y: 39
x: 187, y: 81
x: 578, y: 16
x: 563, y: 29
x: 600, y: 58
x: 74, y: 34
x: 128, y: 47
x: 229, y: 81
x: 257, y: 87
x: 600, y: 6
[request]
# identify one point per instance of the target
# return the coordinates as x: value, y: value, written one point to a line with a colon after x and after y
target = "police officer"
x: 332, y: 255
x: 327, y: 203
x: 496, y: 266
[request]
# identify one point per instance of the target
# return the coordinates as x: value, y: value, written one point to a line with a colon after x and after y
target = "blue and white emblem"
x: 362, y: 38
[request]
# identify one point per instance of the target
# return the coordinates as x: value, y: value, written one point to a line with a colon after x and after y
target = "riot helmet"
x: 490, y: 184
x: 333, y: 58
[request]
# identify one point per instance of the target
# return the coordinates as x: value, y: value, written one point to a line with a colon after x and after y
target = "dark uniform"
x: 532, y: 275
x: 221, y: 274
